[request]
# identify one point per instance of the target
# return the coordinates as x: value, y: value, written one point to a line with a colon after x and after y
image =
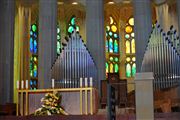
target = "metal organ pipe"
x: 162, y: 57
x: 74, y: 62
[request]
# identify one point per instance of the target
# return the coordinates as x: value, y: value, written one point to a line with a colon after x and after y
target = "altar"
x: 75, y: 101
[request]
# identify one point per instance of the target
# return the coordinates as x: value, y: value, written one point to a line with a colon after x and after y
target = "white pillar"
x: 143, y: 25
x: 7, y: 12
x: 95, y: 34
x: 47, y: 41
x: 144, y: 96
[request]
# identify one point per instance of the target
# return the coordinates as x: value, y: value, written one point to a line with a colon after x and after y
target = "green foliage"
x: 51, y: 105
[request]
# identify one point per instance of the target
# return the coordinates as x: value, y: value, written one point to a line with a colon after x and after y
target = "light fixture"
x: 74, y: 3
x: 126, y: 1
x: 110, y: 2
x: 60, y: 3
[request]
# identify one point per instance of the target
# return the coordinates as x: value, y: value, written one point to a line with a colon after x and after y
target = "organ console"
x: 74, y: 62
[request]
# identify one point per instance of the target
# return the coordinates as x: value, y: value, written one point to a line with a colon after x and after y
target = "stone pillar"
x: 95, y: 34
x: 178, y: 14
x: 47, y: 41
x: 21, y: 45
x: 7, y: 12
x: 143, y: 26
x: 144, y: 96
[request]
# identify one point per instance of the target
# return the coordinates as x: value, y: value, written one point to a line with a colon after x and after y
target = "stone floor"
x: 159, y: 116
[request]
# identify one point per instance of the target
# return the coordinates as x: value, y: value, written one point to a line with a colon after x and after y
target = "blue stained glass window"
x: 111, y: 45
x: 31, y: 45
x: 110, y: 33
x: 31, y: 33
x: 116, y: 46
x: 33, y: 65
x: 115, y: 35
x: 106, y: 45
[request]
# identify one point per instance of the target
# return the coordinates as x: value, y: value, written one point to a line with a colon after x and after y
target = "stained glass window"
x: 112, y: 46
x: 33, y: 65
x: 133, y: 69
x: 130, y: 48
x: 128, y: 70
x: 58, y: 40
x: 72, y: 25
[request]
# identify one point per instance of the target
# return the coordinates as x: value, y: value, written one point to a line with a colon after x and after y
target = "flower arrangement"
x: 51, y: 105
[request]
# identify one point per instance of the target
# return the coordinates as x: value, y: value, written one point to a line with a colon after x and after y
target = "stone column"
x: 7, y: 12
x: 95, y: 34
x: 144, y: 96
x: 143, y: 26
x: 47, y: 41
x: 178, y: 14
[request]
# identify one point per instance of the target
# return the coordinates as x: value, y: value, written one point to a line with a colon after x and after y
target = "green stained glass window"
x: 128, y: 70
x: 70, y: 29
x: 127, y: 36
x: 72, y: 25
x: 58, y: 40
x: 107, y: 67
x: 133, y: 69
x: 73, y: 21
x: 34, y: 28
x: 116, y: 68
x: 116, y: 59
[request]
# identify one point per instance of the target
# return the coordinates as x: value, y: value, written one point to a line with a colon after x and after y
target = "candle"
x: 17, y: 84
x: 81, y: 85
x: 91, y: 81
x: 22, y: 84
x: 52, y: 83
x: 26, y: 84
x: 86, y: 82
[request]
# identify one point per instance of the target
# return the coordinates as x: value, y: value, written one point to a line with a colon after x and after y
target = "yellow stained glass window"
x: 133, y: 49
x: 128, y: 29
x: 108, y: 28
x: 128, y: 59
x: 111, y: 68
x: 132, y: 34
x: 113, y: 28
x: 127, y: 47
x: 134, y: 59
x: 111, y: 20
x: 131, y: 21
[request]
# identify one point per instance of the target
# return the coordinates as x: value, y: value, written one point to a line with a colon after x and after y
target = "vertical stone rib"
x: 7, y: 10
x: 95, y: 34
x: 143, y: 26
x: 47, y: 40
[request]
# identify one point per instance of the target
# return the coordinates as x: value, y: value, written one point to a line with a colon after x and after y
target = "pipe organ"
x: 162, y: 57
x: 74, y: 62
